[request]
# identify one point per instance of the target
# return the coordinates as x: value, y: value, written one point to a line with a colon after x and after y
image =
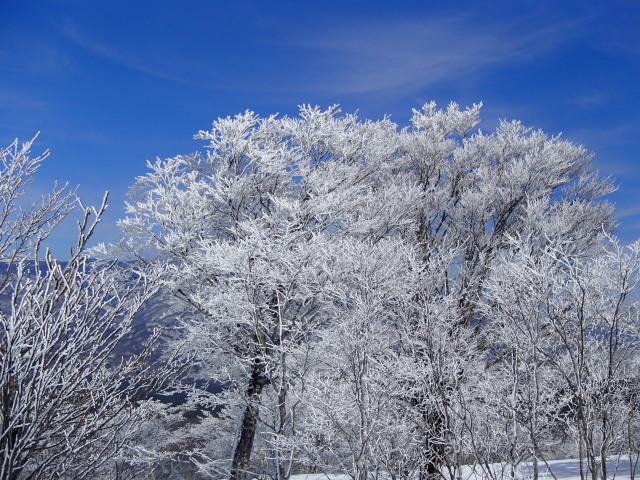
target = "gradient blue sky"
x: 111, y: 84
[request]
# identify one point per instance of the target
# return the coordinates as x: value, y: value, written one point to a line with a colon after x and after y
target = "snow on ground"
x: 618, y: 469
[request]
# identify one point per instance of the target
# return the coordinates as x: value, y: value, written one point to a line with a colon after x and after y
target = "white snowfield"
x: 568, y: 469
x: 618, y: 468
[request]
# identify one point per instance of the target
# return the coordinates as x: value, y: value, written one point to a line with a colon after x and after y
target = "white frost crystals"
x: 341, y: 278
x: 66, y: 402
x: 355, y: 298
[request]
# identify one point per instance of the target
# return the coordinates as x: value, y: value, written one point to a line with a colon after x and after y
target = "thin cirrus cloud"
x: 624, y: 212
x: 14, y: 99
x: 370, y: 56
x: 378, y: 56
x: 132, y: 59
x: 594, y: 98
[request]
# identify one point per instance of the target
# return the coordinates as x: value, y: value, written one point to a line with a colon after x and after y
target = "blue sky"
x: 111, y: 84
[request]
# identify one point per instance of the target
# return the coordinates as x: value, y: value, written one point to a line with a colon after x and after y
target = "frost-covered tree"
x: 241, y: 235
x: 522, y: 392
x: 349, y: 424
x: 248, y: 235
x: 478, y: 189
x: 579, y: 323
x: 66, y: 402
x: 481, y: 188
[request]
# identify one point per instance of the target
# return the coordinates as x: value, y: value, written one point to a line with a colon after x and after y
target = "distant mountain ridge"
x: 159, y: 312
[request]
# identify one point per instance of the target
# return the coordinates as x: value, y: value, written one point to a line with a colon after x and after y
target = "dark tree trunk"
x: 434, y: 449
x: 242, y: 453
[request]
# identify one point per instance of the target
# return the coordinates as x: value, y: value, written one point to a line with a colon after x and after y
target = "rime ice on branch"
x: 66, y: 401
x: 341, y: 278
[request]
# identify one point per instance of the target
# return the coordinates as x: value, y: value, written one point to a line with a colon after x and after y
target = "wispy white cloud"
x: 412, y: 54
x: 24, y: 52
x: 614, y: 135
x: 628, y: 211
x: 364, y: 56
x: 134, y: 59
x: 13, y: 99
x: 592, y: 98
